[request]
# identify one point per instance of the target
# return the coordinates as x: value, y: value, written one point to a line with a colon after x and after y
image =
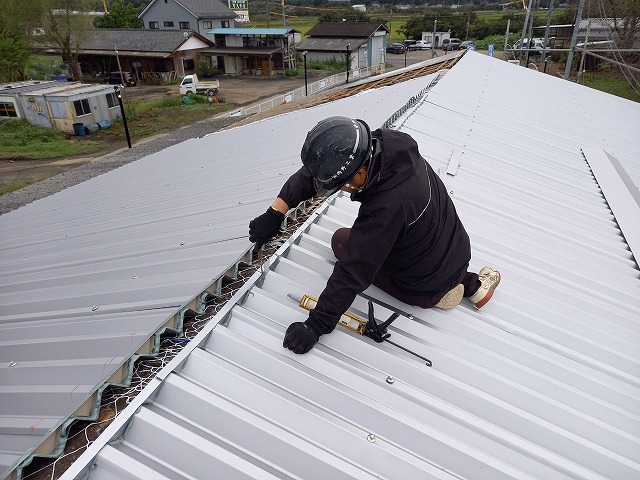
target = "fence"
x: 312, y: 89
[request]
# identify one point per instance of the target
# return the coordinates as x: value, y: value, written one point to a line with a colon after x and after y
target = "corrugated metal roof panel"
x: 89, y: 274
x: 543, y: 382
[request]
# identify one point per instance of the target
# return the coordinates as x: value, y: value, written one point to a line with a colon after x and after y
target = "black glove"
x: 300, y: 337
x: 265, y: 226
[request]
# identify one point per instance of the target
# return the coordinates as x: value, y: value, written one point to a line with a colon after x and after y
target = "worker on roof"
x: 407, y: 239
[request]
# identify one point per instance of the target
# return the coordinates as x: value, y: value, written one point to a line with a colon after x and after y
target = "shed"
x: 364, y: 42
x: 61, y: 105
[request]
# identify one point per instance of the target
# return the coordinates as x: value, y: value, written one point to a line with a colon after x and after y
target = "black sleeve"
x: 298, y: 188
x: 372, y: 237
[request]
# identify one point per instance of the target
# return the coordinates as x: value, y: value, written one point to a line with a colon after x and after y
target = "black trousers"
x: 339, y: 242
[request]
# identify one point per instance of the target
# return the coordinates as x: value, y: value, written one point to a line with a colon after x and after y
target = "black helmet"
x: 335, y: 150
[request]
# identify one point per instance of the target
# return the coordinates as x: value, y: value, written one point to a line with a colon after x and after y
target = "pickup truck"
x: 191, y: 84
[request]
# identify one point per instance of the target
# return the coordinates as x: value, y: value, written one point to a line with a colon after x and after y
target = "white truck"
x: 191, y: 84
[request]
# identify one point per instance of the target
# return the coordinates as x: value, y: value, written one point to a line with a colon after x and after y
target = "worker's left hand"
x: 300, y: 337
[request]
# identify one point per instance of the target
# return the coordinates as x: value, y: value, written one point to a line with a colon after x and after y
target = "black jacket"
x: 407, y: 228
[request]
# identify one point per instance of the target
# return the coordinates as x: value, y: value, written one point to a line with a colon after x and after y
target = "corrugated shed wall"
x: 542, y: 383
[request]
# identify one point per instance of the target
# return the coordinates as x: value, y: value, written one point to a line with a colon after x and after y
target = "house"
x: 440, y: 36
x: 59, y: 105
x: 253, y: 51
x: 151, y: 55
x: 201, y: 16
x: 365, y: 42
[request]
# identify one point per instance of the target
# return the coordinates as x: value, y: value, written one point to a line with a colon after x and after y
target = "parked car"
x: 409, y: 44
x: 422, y: 45
x: 396, y: 48
x: 121, y: 78
x: 536, y: 44
x: 451, y: 44
x: 467, y: 45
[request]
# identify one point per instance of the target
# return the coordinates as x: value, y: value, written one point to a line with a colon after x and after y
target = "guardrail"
x: 312, y: 89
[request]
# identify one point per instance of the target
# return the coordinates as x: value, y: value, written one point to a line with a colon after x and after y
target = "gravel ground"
x: 100, y: 165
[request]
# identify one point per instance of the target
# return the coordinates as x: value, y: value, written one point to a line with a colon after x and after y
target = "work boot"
x: 489, y: 280
x: 452, y: 298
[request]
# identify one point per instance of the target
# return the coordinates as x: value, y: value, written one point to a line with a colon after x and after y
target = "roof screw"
x: 390, y: 379
x: 239, y: 203
x: 135, y: 276
x: 94, y: 308
x: 451, y: 192
x: 26, y: 256
x: 181, y: 243
x: 371, y: 438
x: 13, y: 364
x: 209, y: 224
x: 410, y: 317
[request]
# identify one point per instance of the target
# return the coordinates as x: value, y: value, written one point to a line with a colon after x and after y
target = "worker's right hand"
x: 265, y: 226
x: 300, y: 337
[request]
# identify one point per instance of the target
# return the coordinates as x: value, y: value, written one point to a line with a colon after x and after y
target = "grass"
x: 18, y: 139
x: 15, y: 185
x: 615, y: 84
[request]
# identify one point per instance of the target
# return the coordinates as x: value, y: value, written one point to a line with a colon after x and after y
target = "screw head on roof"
x: 135, y: 276
x: 410, y: 317
x: 371, y: 438
x: 181, y: 243
x: 13, y: 364
x: 390, y: 379
x: 94, y: 308
x: 239, y: 203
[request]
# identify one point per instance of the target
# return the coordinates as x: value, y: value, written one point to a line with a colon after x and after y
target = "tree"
x: 121, y: 15
x: 66, y: 26
x: 16, y: 29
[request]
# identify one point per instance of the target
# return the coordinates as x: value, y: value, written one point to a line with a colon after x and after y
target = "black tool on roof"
x: 368, y: 328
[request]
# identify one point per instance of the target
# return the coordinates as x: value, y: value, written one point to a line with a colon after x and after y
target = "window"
x: 188, y: 64
x: 154, y: 25
x: 8, y: 110
x: 207, y: 24
x: 111, y: 100
x: 225, y: 23
x: 184, y: 25
x: 58, y: 109
x: 168, y: 24
x: 82, y: 107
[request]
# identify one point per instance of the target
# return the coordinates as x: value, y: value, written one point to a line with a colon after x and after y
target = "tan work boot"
x: 489, y: 280
x: 452, y: 298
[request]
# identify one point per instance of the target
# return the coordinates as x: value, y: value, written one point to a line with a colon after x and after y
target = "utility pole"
x: 506, y: 38
x: 433, y: 40
x: 574, y: 40
x: 283, y: 21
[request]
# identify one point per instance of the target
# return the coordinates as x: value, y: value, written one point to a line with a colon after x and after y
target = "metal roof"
x: 137, y: 40
x: 251, y: 31
x: 90, y: 274
x: 25, y: 86
x: 346, y: 29
x: 542, y: 383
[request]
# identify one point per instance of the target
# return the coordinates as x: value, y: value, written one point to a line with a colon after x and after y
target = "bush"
x: 291, y: 72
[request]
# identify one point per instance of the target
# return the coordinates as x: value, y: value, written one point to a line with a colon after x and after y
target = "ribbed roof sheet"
x: 542, y: 383
x: 89, y: 274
